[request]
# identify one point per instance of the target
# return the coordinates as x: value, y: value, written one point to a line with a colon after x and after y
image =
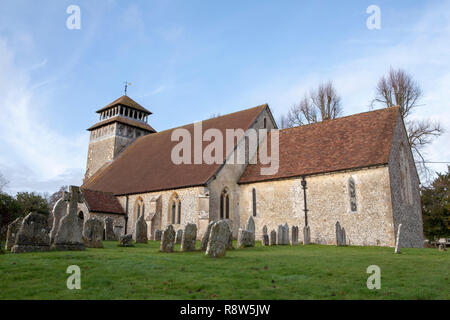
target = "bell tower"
x: 120, y: 123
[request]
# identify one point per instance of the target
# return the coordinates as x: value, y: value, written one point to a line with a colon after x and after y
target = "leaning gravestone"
x: 93, y: 233
x: 167, y: 239
x: 70, y: 233
x: 273, y: 238
x: 294, y: 236
x: 189, y: 237
x: 397, y: 243
x: 158, y: 234
x: 109, y: 230
x: 13, y: 229
x: 32, y: 235
x: 246, y: 238
x: 179, y: 236
x: 141, y: 230
x: 205, y: 238
x: 218, y: 239
x: 126, y: 240
x: 59, y: 211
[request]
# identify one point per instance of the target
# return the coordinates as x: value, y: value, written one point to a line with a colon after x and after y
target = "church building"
x: 357, y: 171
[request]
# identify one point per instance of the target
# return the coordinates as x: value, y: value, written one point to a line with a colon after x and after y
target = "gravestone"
x: 11, y: 234
x: 126, y: 240
x: 286, y: 234
x: 118, y: 231
x: 167, y: 239
x: 189, y: 237
x: 32, y: 235
x: 273, y: 238
x: 306, y: 235
x: 218, y: 239
x: 280, y: 235
x: 246, y: 238
x: 179, y: 236
x: 264, y: 230
x: 109, y: 229
x: 93, y: 233
x: 230, y: 241
x: 205, y: 238
x: 397, y: 242
x: 141, y: 230
x: 59, y: 211
x: 70, y: 232
x: 343, y: 237
x: 338, y: 230
x: 265, y: 237
x: 251, y: 225
x: 294, y: 236
x: 158, y: 234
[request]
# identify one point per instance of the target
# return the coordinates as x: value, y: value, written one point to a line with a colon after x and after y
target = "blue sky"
x: 190, y: 59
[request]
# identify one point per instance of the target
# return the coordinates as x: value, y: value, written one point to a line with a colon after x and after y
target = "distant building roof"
x: 98, y: 201
x: 125, y: 101
x: 355, y: 141
x: 124, y: 120
x: 146, y: 164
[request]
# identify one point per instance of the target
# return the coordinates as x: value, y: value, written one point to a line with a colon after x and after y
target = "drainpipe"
x: 126, y: 215
x: 304, y: 198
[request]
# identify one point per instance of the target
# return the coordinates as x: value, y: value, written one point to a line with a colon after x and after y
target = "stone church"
x: 357, y: 170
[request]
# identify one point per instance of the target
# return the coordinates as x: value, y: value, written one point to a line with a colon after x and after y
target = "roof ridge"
x: 324, y: 122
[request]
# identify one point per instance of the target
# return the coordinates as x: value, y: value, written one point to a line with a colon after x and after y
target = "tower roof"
x: 125, y: 101
x: 124, y: 120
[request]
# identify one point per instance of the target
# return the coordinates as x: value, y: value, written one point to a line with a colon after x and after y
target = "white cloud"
x: 34, y: 156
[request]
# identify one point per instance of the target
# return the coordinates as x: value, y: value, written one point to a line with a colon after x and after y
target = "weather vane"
x: 126, y: 83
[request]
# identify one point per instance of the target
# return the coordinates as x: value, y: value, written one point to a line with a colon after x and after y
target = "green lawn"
x: 281, y: 272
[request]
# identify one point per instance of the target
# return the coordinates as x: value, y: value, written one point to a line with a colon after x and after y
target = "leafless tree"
x: 321, y: 104
x: 398, y: 88
x: 283, y: 122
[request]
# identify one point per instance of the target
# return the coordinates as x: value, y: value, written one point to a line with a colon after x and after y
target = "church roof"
x: 98, y: 201
x: 356, y: 141
x: 124, y: 120
x: 146, y: 165
x: 125, y: 101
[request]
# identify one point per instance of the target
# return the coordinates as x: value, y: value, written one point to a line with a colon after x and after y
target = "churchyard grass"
x: 279, y: 272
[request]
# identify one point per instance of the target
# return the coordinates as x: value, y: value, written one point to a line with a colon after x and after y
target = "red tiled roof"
x: 127, y: 121
x: 356, y: 141
x: 125, y: 101
x: 146, y: 164
x: 98, y: 201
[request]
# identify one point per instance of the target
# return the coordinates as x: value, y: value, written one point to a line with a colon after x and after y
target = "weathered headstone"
x: 179, y: 236
x: 286, y: 234
x: 338, y: 230
x: 264, y: 230
x: 70, y: 233
x: 93, y: 233
x: 245, y: 239
x: 397, y: 242
x: 141, y: 230
x: 126, y: 240
x: 265, y: 237
x: 59, y: 211
x: 218, y: 239
x: 189, y: 237
x: 205, y: 238
x: 251, y: 224
x: 32, y: 235
x: 230, y: 241
x: 158, y: 234
x: 273, y: 238
x: 13, y: 229
x: 280, y: 234
x: 167, y: 239
x: 109, y: 230
x: 343, y: 237
x: 306, y: 235
x: 294, y: 241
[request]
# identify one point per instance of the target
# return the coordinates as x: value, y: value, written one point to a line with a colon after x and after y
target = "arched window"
x: 139, y: 207
x: 175, y: 209
x: 81, y: 215
x: 225, y: 205
x: 254, y: 201
x: 352, y: 194
x: 265, y: 123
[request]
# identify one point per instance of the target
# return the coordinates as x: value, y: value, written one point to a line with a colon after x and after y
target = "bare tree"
x: 398, y: 88
x: 283, y: 122
x: 321, y: 104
